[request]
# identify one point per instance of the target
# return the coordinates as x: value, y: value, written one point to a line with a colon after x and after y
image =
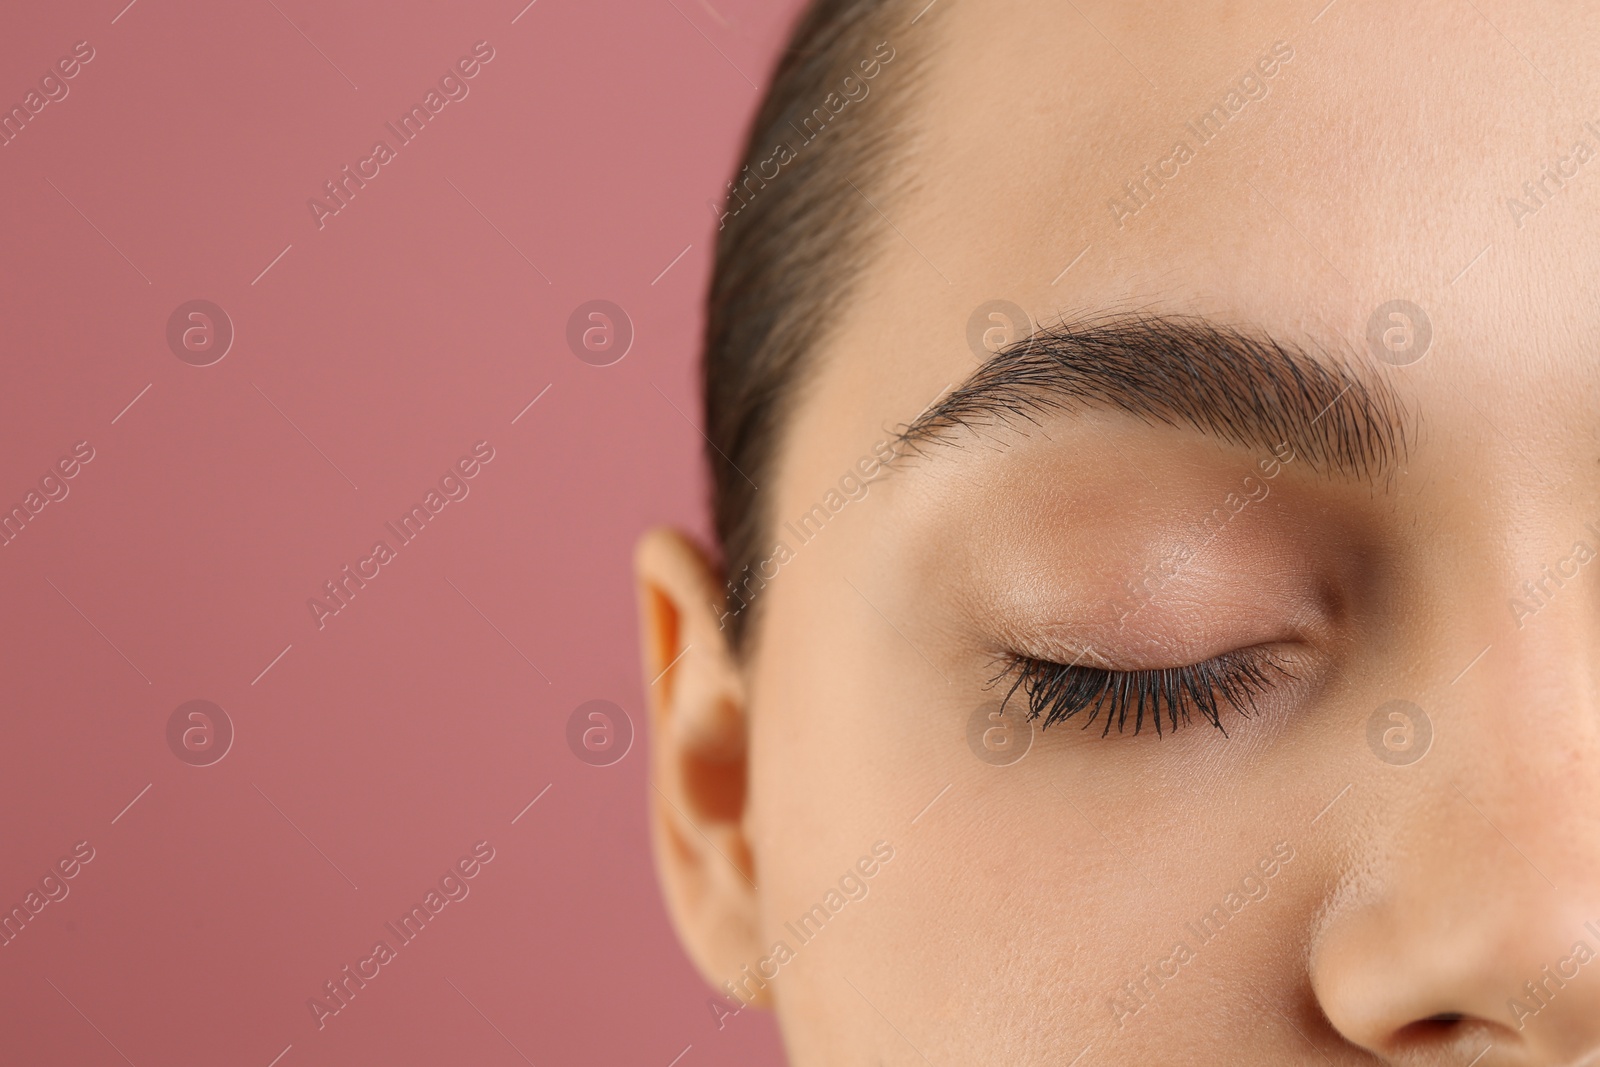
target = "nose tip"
x: 1440, y: 981
x: 1383, y: 995
x: 1382, y: 1025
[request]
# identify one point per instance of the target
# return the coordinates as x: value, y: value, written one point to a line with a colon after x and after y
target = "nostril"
x: 1432, y: 1029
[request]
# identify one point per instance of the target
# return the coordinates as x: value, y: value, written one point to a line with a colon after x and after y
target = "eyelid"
x: 1057, y: 692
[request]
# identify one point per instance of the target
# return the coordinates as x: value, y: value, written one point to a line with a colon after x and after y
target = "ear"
x: 699, y: 730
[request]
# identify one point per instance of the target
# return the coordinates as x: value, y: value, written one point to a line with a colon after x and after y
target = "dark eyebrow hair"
x: 1242, y: 387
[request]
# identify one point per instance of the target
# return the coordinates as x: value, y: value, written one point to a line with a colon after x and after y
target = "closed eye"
x: 1056, y: 692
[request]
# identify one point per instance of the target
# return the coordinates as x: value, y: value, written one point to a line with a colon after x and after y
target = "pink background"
x: 376, y: 751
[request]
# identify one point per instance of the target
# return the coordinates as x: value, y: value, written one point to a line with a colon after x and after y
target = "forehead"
x: 1243, y: 162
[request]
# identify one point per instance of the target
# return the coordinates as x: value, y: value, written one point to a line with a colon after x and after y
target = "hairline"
x: 774, y: 343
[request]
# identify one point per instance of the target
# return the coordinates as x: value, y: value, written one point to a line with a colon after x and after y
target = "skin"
x: 1019, y: 900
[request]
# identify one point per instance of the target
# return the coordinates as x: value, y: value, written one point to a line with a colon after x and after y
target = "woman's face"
x: 1397, y: 853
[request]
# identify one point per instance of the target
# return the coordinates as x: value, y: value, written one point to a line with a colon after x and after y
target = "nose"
x: 1414, y: 977
x: 1470, y: 923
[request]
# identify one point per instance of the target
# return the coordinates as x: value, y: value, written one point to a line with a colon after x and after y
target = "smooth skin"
x: 1418, y: 899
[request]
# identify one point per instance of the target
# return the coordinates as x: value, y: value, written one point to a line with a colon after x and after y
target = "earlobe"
x: 698, y: 749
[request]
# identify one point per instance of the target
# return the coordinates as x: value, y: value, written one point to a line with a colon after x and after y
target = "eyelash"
x: 1056, y: 692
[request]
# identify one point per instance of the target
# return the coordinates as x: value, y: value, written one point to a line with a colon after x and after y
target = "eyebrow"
x: 1242, y: 387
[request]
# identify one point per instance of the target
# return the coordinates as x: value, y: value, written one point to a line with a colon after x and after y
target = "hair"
x: 789, y: 247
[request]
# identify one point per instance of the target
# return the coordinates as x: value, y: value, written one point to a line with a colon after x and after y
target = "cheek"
x: 864, y: 751
x: 1039, y: 889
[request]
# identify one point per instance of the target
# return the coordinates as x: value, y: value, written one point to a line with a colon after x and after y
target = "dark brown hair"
x: 792, y: 239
